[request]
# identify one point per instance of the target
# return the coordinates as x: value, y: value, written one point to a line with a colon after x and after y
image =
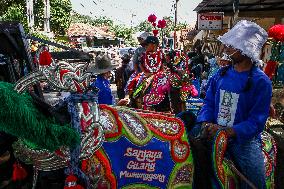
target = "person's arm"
x: 135, y: 60
x: 257, y: 115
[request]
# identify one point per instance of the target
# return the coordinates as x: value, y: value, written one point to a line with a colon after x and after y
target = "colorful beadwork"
x: 91, y: 130
x: 180, y: 150
x: 184, y: 175
x: 135, y: 126
x: 109, y: 119
x: 219, y: 148
x: 168, y: 127
x: 152, y: 61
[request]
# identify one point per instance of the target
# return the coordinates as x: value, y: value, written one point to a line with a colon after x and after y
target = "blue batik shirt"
x: 227, y: 104
x: 104, y: 94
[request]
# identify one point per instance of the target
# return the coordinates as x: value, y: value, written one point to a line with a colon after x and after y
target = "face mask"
x: 228, y: 57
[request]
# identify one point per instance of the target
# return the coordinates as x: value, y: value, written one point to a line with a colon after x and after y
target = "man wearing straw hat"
x: 103, y: 67
x: 238, y: 100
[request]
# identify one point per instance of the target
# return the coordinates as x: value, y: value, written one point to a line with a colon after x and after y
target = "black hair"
x: 248, y: 84
x: 152, y: 39
x: 249, y: 80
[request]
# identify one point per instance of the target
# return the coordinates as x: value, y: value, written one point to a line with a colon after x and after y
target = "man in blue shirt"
x: 102, y: 83
x: 238, y: 100
x: 102, y: 67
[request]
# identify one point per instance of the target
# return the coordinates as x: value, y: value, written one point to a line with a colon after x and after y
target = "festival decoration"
x: 277, y: 32
x: 155, y: 32
x: 19, y: 173
x: 161, y: 24
x: 38, y: 129
x: 122, y: 147
x: 71, y: 183
x: 152, y: 18
x: 134, y: 162
x: 45, y: 58
x: 153, y: 61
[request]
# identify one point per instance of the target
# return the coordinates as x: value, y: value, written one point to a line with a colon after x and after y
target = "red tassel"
x: 71, y: 183
x: 84, y: 165
x: 45, y: 58
x: 19, y: 173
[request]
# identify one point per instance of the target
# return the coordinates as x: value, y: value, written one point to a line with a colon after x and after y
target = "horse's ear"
x: 218, y: 152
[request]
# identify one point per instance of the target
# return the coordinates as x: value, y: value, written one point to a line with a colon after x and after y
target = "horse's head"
x: 60, y: 75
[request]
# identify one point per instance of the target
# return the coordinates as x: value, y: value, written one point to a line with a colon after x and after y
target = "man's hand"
x: 230, y: 132
x: 212, y: 129
x: 272, y: 112
x: 123, y: 102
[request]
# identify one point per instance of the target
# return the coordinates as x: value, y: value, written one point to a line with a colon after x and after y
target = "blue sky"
x: 121, y: 11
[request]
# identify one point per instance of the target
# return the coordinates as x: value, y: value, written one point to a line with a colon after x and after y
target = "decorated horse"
x: 108, y: 146
x: 164, y: 85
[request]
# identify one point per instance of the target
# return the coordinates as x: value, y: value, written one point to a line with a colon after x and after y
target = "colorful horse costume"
x: 119, y: 147
x: 161, y: 88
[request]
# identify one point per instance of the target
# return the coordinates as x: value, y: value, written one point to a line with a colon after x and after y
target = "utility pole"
x: 175, y: 24
x: 236, y: 10
x: 46, y: 16
x: 30, y: 14
x: 132, y: 15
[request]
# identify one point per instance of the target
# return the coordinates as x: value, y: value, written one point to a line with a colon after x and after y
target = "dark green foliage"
x: 15, y: 13
x: 60, y: 16
x: 60, y: 12
x: 19, y: 117
x: 99, y: 22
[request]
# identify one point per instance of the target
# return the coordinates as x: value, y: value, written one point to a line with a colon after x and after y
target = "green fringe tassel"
x: 19, y: 117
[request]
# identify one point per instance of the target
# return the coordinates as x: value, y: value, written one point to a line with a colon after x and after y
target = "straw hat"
x: 102, y: 64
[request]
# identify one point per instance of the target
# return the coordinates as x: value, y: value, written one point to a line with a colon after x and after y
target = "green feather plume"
x: 19, y: 117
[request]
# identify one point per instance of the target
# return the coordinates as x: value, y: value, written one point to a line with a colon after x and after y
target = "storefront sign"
x: 210, y: 21
x: 150, y: 164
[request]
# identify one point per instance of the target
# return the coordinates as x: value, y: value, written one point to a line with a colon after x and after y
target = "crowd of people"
x: 162, y: 80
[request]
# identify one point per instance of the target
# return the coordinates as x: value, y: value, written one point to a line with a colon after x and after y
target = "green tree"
x: 124, y: 33
x: 79, y: 18
x: 5, y: 4
x: 60, y: 13
x: 144, y: 26
x: 103, y: 21
x: 15, y: 13
x: 99, y: 22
